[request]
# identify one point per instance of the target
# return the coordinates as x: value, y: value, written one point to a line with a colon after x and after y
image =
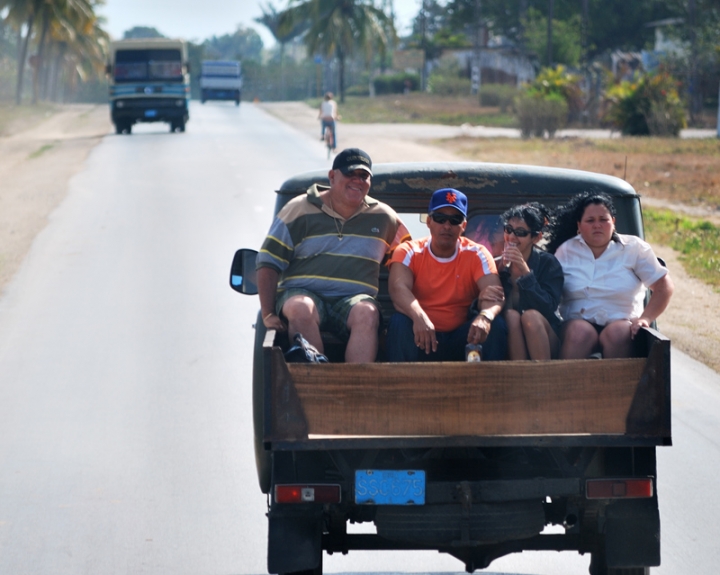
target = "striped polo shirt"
x: 304, y: 246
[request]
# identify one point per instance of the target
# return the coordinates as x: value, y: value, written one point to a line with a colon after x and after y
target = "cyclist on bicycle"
x: 328, y: 114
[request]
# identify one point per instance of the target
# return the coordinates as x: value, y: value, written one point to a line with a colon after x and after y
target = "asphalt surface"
x: 125, y: 361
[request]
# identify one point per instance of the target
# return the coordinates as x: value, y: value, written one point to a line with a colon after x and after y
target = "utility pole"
x: 423, y: 46
x: 549, y: 33
x: 718, y: 118
x: 694, y: 92
x: 476, y: 80
x: 585, y: 21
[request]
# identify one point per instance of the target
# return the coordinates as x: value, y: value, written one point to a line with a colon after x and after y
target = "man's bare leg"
x: 303, y: 317
x: 363, y: 322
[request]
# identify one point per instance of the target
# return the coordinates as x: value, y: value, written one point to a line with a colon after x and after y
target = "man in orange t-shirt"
x: 433, y: 282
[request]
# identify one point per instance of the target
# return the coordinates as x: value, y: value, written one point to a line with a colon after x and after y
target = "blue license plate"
x: 150, y: 113
x: 384, y: 487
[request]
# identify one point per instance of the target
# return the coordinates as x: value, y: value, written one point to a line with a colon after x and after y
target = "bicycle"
x: 329, y: 141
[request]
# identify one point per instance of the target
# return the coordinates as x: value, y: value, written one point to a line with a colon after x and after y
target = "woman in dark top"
x: 533, y: 282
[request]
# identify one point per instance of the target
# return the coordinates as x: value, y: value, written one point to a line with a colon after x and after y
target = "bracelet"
x: 268, y: 315
x: 487, y: 315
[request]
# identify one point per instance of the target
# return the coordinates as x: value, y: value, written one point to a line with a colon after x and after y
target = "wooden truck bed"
x: 560, y: 402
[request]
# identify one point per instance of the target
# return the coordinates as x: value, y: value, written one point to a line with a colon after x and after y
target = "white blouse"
x: 611, y: 287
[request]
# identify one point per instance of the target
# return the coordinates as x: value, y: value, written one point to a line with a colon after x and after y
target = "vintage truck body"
x: 477, y: 460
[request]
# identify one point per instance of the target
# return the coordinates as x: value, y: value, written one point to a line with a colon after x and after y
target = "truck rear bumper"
x: 148, y: 110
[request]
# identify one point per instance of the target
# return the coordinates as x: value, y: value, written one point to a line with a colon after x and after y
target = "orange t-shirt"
x: 445, y: 287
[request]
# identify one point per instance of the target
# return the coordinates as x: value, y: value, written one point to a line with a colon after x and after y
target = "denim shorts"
x: 333, y: 312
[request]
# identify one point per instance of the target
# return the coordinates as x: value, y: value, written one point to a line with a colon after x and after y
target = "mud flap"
x: 294, y: 539
x: 632, y: 533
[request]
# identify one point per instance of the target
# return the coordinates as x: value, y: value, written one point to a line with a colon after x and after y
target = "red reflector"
x: 618, y: 488
x: 307, y: 494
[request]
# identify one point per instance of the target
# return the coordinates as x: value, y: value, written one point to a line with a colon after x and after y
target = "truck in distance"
x: 221, y: 80
x: 148, y: 82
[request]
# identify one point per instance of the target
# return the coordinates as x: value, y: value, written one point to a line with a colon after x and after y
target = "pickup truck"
x: 477, y: 460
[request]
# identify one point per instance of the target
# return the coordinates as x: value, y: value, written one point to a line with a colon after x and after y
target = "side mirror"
x: 243, y: 277
x: 108, y: 69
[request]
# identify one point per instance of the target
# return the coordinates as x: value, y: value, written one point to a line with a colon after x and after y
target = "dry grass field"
x: 672, y: 170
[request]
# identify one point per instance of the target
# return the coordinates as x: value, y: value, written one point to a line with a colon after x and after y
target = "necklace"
x: 338, y: 227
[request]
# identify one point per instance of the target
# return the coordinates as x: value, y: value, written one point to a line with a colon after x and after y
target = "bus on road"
x: 148, y: 82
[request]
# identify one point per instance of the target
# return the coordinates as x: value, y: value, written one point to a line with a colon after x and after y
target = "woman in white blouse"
x: 606, y: 275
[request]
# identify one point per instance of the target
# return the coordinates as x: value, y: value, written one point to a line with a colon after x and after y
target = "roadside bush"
x: 558, y: 82
x: 358, y: 90
x: 501, y: 95
x: 446, y: 79
x: 648, y: 106
x: 396, y: 83
x: 538, y: 114
x: 448, y: 85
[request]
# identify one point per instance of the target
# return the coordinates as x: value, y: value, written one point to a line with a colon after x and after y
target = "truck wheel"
x: 598, y: 567
x: 118, y: 128
x: 263, y: 460
x: 317, y: 571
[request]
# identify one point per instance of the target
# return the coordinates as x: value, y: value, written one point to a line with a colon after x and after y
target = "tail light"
x: 618, y: 488
x: 307, y: 493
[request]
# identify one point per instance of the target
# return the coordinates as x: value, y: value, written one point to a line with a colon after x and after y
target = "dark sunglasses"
x: 442, y: 218
x: 359, y: 174
x: 519, y: 232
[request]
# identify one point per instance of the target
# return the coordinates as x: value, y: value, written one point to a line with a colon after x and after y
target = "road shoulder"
x: 36, y: 166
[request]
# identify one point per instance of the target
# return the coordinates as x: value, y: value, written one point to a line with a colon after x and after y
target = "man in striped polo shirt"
x: 433, y: 282
x: 318, y: 267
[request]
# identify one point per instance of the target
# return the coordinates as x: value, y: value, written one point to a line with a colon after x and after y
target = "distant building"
x: 499, y: 64
x: 665, y: 44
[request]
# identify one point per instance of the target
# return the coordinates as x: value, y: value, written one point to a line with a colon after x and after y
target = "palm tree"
x: 273, y: 21
x: 64, y: 19
x: 67, y: 20
x: 340, y: 28
x: 80, y: 46
x: 21, y: 12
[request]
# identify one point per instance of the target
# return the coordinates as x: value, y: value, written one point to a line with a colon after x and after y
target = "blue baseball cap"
x: 448, y: 198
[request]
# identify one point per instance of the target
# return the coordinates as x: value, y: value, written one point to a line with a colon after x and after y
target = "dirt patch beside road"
x: 36, y: 165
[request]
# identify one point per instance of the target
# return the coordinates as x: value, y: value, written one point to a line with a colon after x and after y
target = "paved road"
x: 124, y: 374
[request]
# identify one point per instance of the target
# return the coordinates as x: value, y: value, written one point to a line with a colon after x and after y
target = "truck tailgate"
x: 492, y: 403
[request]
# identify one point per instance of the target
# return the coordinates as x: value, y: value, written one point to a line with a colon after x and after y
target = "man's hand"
x: 479, y: 329
x: 273, y: 321
x: 424, y: 334
x: 493, y: 293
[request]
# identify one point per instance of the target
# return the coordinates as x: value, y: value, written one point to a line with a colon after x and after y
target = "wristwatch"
x: 487, y: 315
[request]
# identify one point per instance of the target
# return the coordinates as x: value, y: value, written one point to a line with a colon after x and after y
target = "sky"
x: 193, y: 20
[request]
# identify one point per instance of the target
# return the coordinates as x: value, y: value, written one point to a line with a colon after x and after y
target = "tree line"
x: 69, y: 42
x: 64, y: 43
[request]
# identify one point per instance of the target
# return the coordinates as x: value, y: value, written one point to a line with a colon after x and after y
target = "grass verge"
x: 416, y: 108
x: 698, y: 242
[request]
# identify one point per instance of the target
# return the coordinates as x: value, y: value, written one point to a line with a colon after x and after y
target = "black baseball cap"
x: 352, y: 159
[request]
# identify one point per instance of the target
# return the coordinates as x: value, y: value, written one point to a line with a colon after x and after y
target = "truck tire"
x: 118, y: 128
x: 263, y: 459
x: 598, y: 566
